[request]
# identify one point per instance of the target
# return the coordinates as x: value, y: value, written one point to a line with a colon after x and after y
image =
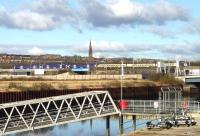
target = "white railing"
x: 157, y: 107
x: 46, y: 112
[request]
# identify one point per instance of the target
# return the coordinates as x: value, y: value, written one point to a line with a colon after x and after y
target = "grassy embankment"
x: 38, y: 84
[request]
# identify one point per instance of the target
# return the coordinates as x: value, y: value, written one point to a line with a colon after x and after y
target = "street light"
x: 133, y: 65
x: 122, y: 74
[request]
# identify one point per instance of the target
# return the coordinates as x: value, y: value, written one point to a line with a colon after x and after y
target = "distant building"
x: 51, y: 56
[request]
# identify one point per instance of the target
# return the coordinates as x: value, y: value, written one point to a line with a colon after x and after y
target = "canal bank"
x: 40, y: 85
x: 174, y: 131
x: 11, y: 91
x: 134, y: 92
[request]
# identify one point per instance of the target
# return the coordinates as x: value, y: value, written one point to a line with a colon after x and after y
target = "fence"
x: 156, y: 106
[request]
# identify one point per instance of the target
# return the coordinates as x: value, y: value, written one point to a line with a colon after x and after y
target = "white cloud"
x: 105, y: 46
x: 161, y: 31
x: 102, y: 46
x: 193, y: 27
x: 98, y: 55
x: 117, y: 49
x: 35, y: 51
x: 127, y: 12
x: 50, y: 14
x: 123, y: 8
x: 32, y: 21
x: 39, y: 15
x: 114, y: 49
x: 13, y: 49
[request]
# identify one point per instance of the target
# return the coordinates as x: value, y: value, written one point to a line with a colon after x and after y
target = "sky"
x: 157, y: 29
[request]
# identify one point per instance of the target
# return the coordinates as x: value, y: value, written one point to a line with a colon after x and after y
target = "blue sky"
x: 165, y: 29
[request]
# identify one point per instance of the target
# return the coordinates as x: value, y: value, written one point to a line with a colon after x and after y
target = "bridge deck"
x: 46, y: 112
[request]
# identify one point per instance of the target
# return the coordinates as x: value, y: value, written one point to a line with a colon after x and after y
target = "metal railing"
x: 157, y: 107
x: 46, y: 112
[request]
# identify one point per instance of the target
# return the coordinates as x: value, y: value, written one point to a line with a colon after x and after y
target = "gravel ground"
x: 174, y: 131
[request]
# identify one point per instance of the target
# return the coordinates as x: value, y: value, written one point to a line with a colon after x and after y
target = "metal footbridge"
x: 46, y: 112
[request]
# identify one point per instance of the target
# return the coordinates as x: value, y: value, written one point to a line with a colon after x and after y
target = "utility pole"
x: 121, y: 101
x: 122, y: 74
x: 133, y: 65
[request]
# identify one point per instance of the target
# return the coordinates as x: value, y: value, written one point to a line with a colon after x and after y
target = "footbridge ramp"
x: 46, y: 112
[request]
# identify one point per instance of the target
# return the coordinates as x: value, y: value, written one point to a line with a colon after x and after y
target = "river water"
x: 86, y: 128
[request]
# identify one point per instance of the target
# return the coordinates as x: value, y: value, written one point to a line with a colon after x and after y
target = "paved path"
x: 174, y: 131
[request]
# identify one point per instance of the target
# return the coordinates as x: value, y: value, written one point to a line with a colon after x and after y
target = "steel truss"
x: 46, y: 112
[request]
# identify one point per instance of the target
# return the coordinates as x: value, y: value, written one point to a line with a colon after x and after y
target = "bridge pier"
x: 134, y: 122
x: 108, y: 126
x: 121, y: 124
x: 91, y: 123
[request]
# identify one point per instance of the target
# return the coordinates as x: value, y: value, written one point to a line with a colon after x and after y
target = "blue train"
x: 58, y: 66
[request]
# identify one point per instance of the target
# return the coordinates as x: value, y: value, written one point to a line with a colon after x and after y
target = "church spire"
x: 90, y: 56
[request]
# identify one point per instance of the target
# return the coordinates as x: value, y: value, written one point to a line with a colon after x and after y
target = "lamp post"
x: 106, y: 69
x: 122, y: 74
x: 133, y: 66
x: 121, y: 99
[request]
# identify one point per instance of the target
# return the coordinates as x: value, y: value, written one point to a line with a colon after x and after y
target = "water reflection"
x: 95, y: 127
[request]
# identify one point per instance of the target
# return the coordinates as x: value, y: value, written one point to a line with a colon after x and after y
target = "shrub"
x: 12, y: 85
x: 63, y: 86
x: 42, y: 86
x: 83, y: 86
x: 115, y: 83
x: 165, y: 79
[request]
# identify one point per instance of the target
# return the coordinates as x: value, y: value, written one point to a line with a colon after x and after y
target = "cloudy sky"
x: 166, y: 29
